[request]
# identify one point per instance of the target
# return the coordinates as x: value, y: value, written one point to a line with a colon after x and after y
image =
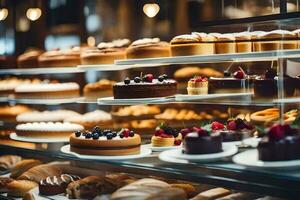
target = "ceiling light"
x: 3, y: 13
x: 33, y: 14
x: 151, y: 9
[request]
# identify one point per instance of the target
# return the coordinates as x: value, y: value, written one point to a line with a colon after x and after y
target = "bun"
x: 212, y: 194
x: 23, y: 166
x: 9, y: 161
x: 4, y: 181
x: 187, y: 188
x: 169, y: 194
x: 20, y: 187
x: 40, y: 172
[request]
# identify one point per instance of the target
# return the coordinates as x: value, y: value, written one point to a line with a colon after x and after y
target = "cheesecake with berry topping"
x: 166, y: 136
x: 145, y: 87
x: 197, y: 86
x: 105, y: 142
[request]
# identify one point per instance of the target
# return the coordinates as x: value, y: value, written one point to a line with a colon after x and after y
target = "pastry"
x: 4, y: 181
x: 7, y: 86
x: 169, y: 194
x: 102, y: 88
x: 29, y: 59
x: 225, y: 43
x: 238, y: 196
x: 91, y: 119
x: 47, y: 91
x: 9, y: 113
x: 197, y: 86
x: 54, y: 185
x: 189, y: 189
x: 23, y: 166
x: 281, y: 143
x: 106, y: 142
x: 212, y: 194
x: 200, y: 141
x: 45, y: 116
x: 40, y: 172
x: 148, y: 48
x: 243, y: 42
x: 193, y: 44
x: 136, y: 112
x: 140, y: 190
x: 47, y: 129
x: 7, y: 162
x: 166, y: 136
x: 143, y: 126
x: 145, y: 87
x: 19, y: 188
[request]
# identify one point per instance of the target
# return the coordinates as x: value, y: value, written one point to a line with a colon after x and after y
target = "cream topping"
x: 145, y: 41
x: 46, y: 116
x: 47, y: 87
x: 97, y: 115
x: 49, y: 126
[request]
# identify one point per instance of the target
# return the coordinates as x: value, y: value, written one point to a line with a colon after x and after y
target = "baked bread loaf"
x: 9, y: 161
x: 23, y: 166
x: 40, y: 172
x: 4, y: 181
x: 19, y: 188
x: 169, y: 194
x: 212, y: 194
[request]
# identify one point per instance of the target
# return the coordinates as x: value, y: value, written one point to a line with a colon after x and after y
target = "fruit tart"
x: 166, y: 136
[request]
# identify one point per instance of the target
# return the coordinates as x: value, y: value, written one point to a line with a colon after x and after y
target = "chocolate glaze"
x: 237, y: 135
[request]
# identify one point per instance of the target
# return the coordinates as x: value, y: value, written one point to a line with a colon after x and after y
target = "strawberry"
x: 217, y: 126
x: 177, y: 142
x: 149, y: 78
x: 239, y: 74
x: 159, y: 132
x: 277, y: 132
x: 231, y: 125
x: 126, y: 132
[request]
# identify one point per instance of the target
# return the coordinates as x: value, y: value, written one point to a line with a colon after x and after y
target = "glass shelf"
x: 285, y: 183
x: 216, y: 58
x: 115, y: 67
x: 45, y: 101
x: 37, y: 71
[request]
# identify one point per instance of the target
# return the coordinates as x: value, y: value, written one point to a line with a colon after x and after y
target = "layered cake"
x: 197, y: 86
x: 166, y: 136
x: 29, y: 59
x: 106, y: 53
x: 225, y: 43
x: 148, y: 48
x: 145, y: 87
x: 267, y: 86
x: 47, y: 129
x: 45, y: 116
x: 91, y: 119
x: 281, y: 143
x: 200, y: 141
x: 136, y: 112
x: 237, y: 83
x: 47, y: 91
x: 193, y: 44
x: 10, y: 113
x: 243, y: 42
x: 105, y: 142
x: 102, y: 88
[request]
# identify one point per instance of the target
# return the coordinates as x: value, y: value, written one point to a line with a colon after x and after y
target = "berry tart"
x: 197, y: 86
x: 105, y: 142
x: 200, y: 141
x: 282, y: 142
x: 238, y: 82
x: 145, y: 87
x: 166, y: 136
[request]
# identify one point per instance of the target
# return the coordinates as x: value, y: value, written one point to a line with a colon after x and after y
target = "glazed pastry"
x: 197, y: 86
x: 148, y: 48
x: 40, y: 172
x: 7, y: 162
x: 29, y: 59
x: 9, y: 113
x: 47, y: 129
x: 23, y: 166
x: 56, y: 184
x: 212, y: 194
x: 166, y: 136
x: 4, y: 181
x: 169, y: 194
x: 102, y: 88
x: 189, y: 189
x: 136, y: 112
x: 105, y: 142
x: 19, y: 188
x: 265, y: 116
x: 145, y: 87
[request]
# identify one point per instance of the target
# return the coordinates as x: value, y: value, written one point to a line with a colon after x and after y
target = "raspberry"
x: 277, y: 132
x: 149, y: 78
x: 126, y: 132
x: 217, y: 126
x: 159, y: 132
x: 166, y: 136
x: 239, y: 74
x: 231, y: 125
x: 177, y: 142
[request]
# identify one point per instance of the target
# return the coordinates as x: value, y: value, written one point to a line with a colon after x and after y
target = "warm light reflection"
x: 33, y: 14
x: 91, y: 41
x: 151, y: 9
x: 3, y: 14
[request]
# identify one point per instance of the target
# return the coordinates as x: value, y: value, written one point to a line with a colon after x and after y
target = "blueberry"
x: 121, y: 135
x: 96, y: 129
x: 109, y: 136
x: 100, y: 134
x: 78, y: 133
x: 88, y: 135
x: 114, y: 133
x: 161, y: 78
x: 95, y: 136
x: 127, y: 81
x: 84, y: 134
x: 137, y: 79
x: 131, y: 134
x: 165, y: 76
x: 106, y: 131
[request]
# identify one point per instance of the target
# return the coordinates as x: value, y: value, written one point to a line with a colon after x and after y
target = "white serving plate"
x: 252, y: 141
x: 14, y: 136
x: 186, y: 97
x: 228, y: 150
x: 249, y: 159
x: 160, y: 149
x: 112, y: 101
x: 144, y: 152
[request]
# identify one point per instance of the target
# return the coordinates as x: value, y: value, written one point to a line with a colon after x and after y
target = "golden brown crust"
x: 103, y: 84
x: 212, y: 194
x: 29, y: 59
x: 9, y: 161
x: 151, y: 50
x: 23, y: 166
x: 192, y: 49
x: 4, y: 181
x: 48, y: 95
x: 169, y: 194
x: 183, y: 39
x: 59, y: 59
x: 189, y: 189
x: 19, y: 188
x: 104, y: 56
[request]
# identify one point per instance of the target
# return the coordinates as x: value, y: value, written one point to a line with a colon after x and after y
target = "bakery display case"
x: 212, y: 113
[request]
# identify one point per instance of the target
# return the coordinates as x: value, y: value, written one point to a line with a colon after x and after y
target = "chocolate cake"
x: 236, y: 130
x: 201, y: 141
x: 281, y: 143
x: 145, y: 87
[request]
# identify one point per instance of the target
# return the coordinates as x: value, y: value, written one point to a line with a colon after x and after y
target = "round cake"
x: 145, y: 87
x: 106, y: 142
x: 29, y: 59
x: 102, y: 88
x: 47, y: 91
x: 9, y: 113
x: 47, y: 129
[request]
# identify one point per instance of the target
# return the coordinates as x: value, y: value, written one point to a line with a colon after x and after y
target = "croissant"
x: 23, y: 166
x: 9, y: 161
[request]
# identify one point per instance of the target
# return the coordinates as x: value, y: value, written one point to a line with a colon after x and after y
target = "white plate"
x: 144, y: 152
x: 165, y: 156
x: 228, y: 150
x: 14, y: 136
x: 252, y: 141
x: 250, y: 159
x: 159, y: 149
x: 112, y: 101
x: 186, y: 97
x: 237, y: 143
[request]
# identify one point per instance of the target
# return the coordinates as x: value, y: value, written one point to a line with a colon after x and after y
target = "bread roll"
x: 20, y: 187
x: 238, y: 196
x: 169, y: 194
x: 212, y: 194
x: 187, y: 188
x: 23, y: 166
x: 4, y: 181
x: 9, y: 161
